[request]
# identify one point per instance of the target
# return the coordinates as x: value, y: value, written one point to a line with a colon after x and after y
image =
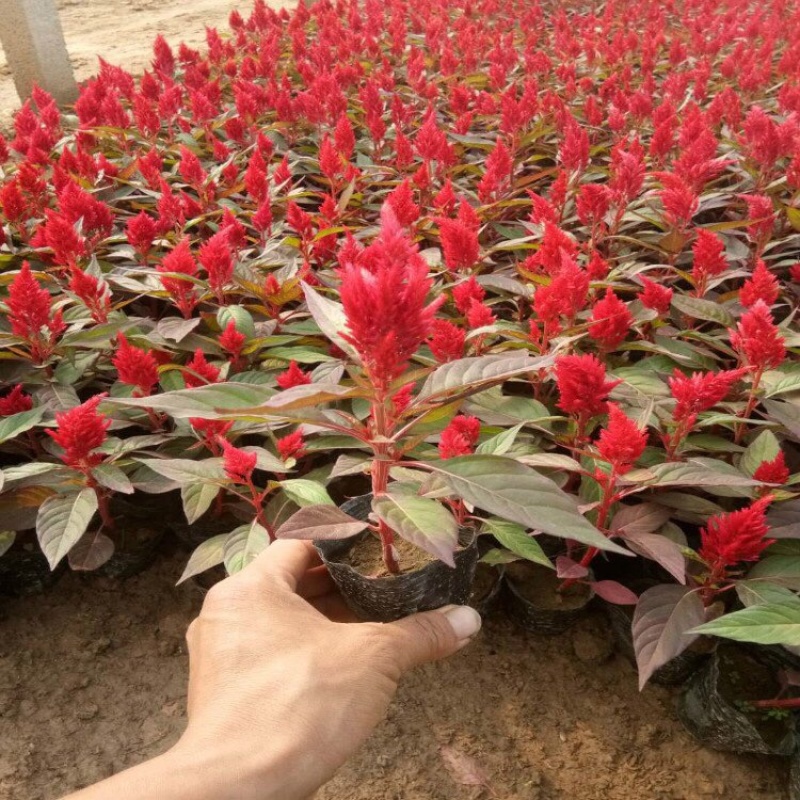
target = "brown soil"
x: 539, y: 585
x: 486, y: 579
x: 366, y: 557
x: 93, y: 681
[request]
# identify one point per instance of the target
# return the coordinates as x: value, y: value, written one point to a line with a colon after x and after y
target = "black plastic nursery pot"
x: 676, y: 671
x: 388, y: 598
x: 487, y: 588
x: 534, y: 604
x: 24, y: 569
x: 794, y: 776
x: 714, y: 708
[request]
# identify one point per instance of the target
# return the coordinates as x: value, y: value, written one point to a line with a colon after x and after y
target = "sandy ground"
x: 122, y: 32
x: 92, y: 680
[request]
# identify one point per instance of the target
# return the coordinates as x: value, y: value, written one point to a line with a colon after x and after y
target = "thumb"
x: 432, y: 635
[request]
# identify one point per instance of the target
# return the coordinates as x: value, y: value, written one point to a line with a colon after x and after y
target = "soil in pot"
x: 534, y: 602
x: 715, y: 707
x: 366, y: 557
x: 389, y: 597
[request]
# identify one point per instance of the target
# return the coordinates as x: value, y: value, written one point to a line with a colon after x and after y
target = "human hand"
x: 281, y: 691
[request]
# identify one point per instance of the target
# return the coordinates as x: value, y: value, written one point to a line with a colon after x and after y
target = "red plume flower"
x: 709, y: 258
x: 621, y: 443
x: 383, y: 293
x: 232, y: 341
x: 447, y: 342
x: 611, y: 320
x: 141, y: 231
x: 291, y: 446
x: 757, y: 339
x: 15, y: 402
x: 403, y: 205
x: 30, y: 317
x: 216, y: 258
x: 459, y: 437
x: 459, y: 244
x: 655, y: 296
x: 202, y: 372
x: 135, y: 367
x: 762, y: 285
x: 774, y: 471
x: 180, y: 262
x: 729, y: 539
x: 292, y: 377
x: 80, y: 431
x: 94, y: 294
x: 701, y: 391
x: 582, y: 385
x: 466, y: 292
x: 238, y: 464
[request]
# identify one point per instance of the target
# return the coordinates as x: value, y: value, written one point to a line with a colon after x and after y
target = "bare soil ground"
x: 92, y: 681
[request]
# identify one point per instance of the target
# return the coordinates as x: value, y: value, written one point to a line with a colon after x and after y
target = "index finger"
x: 286, y: 560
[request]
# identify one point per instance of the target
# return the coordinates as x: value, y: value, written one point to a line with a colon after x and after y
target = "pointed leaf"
x: 516, y: 539
x: 243, y: 545
x: 206, y: 555
x: 613, y: 592
x: 423, y: 522
x: 661, y: 623
x: 698, y: 308
x: 62, y: 520
x: 476, y: 373
x: 197, y: 499
x: 112, y: 477
x: 753, y: 593
x: 186, y: 470
x: 330, y: 319
x: 642, y: 518
x: 517, y: 493
x: 661, y: 550
x: 305, y: 492
x: 309, y: 394
x: 764, y: 447
x: 15, y: 424
x: 320, y: 523
x: 570, y: 570
x: 777, y: 622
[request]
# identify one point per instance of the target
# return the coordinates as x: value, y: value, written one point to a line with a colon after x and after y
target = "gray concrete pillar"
x: 33, y: 41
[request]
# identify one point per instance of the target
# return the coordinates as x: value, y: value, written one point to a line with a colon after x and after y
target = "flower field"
x: 526, y: 273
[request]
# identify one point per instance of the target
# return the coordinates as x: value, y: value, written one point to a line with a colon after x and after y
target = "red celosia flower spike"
x: 80, y: 431
x: 238, y: 464
x: 201, y: 373
x: 30, y: 317
x: 141, y: 231
x: 729, y: 539
x: 216, y: 258
x: 232, y: 341
x: 384, y: 295
x: 447, y: 341
x: 15, y: 402
x: 180, y: 262
x: 292, y: 377
x: 611, y: 320
x: 622, y: 442
x: 460, y: 246
x: 467, y: 292
x: 135, y: 367
x: 459, y: 437
x: 757, y: 339
x: 774, y: 471
x: 655, y: 296
x: 582, y: 385
x: 403, y: 205
x: 762, y: 285
x: 701, y: 391
x: 291, y: 446
x: 92, y: 293
x: 709, y: 259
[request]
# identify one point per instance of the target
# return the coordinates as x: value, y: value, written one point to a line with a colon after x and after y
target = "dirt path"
x: 122, y: 32
x: 92, y: 680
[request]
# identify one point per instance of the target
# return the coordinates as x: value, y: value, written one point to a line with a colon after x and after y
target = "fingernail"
x: 464, y: 620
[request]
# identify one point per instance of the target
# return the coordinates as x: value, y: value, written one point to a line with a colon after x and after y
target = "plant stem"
x: 752, y: 401
x: 380, y: 477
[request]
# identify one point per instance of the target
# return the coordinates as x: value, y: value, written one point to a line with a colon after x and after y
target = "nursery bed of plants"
x: 495, y: 303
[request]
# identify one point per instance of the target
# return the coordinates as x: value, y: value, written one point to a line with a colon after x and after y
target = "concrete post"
x: 33, y: 41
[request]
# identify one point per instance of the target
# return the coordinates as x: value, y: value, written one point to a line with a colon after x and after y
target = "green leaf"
x: 206, y: 555
x: 788, y: 414
x: 468, y: 375
x: 62, y: 520
x: 708, y: 310
x: 501, y: 443
x: 320, y: 522
x: 304, y: 492
x: 14, y: 425
x: 784, y: 385
x: 423, y: 522
x: 754, y: 593
x: 517, y: 493
x: 197, y: 498
x: 695, y: 472
x: 497, y: 556
x: 516, y: 539
x: 783, y: 570
x: 764, y: 447
x: 243, y: 545
x: 176, y: 329
x: 209, y: 402
x: 309, y: 394
x: 186, y: 470
x: 112, y: 477
x: 241, y: 318
x: 775, y: 622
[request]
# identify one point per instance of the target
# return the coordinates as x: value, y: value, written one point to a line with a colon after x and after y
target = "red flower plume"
x: 80, y: 431
x: 135, y: 367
